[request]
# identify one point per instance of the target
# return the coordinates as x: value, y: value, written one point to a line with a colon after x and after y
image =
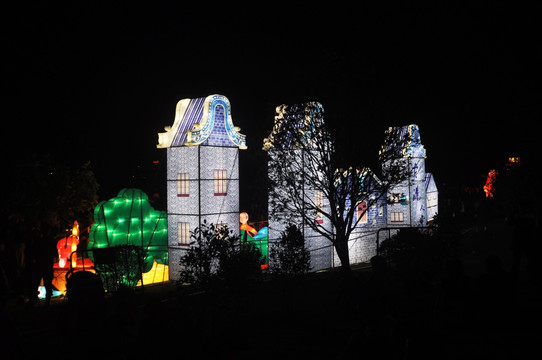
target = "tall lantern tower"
x: 407, y: 202
x: 202, y: 171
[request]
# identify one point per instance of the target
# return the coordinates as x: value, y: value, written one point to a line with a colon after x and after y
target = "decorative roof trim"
x: 404, y: 141
x: 194, y: 122
x: 305, y: 118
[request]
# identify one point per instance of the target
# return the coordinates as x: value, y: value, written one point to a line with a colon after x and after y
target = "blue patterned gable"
x: 219, y: 135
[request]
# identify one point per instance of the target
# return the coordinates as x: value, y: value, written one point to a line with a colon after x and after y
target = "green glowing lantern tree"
x: 127, y: 237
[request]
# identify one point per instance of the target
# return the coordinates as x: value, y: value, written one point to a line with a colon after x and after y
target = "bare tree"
x: 305, y: 183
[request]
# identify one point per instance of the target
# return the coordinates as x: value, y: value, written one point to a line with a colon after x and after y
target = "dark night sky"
x: 98, y: 81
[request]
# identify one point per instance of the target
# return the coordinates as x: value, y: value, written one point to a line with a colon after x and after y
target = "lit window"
x: 183, y: 233
x: 319, y: 204
x: 183, y: 188
x: 397, y: 217
x: 362, y: 212
x: 220, y: 183
x: 380, y: 210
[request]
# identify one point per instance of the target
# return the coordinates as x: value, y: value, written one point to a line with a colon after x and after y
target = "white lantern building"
x: 202, y: 171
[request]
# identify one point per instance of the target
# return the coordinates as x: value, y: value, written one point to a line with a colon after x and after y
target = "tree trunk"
x: 341, y: 246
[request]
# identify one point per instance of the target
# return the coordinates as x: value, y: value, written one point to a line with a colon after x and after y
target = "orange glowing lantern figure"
x: 68, y: 245
x: 489, y: 187
x: 243, y: 219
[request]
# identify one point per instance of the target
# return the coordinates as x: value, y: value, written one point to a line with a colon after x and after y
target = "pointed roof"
x: 404, y: 141
x: 430, y: 184
x: 367, y: 178
x: 202, y: 121
x: 306, y: 119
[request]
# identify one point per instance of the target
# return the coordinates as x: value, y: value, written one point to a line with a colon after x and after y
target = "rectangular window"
x: 362, y: 212
x: 319, y: 204
x: 220, y: 183
x: 183, y: 233
x: 183, y: 188
x: 397, y: 217
x: 380, y: 210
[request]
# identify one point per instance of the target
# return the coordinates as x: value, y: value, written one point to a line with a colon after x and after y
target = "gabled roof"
x: 366, y: 177
x: 205, y: 120
x: 430, y: 184
x: 403, y: 141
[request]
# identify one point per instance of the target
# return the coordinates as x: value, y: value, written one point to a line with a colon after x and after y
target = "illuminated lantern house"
x: 409, y: 203
x: 202, y: 171
x: 203, y: 147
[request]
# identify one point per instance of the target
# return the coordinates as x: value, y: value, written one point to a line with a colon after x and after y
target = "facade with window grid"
x: 202, y: 171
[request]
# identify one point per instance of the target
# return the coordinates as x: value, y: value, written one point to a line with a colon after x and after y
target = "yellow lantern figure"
x: 75, y: 241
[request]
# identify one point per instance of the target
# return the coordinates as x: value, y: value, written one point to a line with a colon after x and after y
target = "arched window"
x: 362, y: 212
